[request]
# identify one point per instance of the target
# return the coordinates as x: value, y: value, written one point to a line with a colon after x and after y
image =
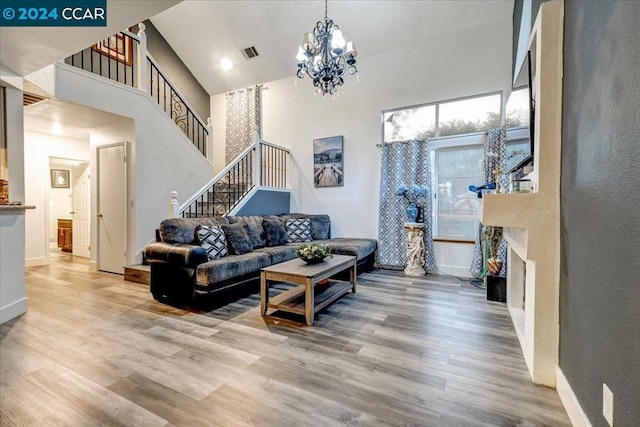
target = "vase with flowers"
x: 493, y: 237
x: 414, y: 197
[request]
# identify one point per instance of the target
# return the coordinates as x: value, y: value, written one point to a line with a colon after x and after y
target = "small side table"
x: 415, y: 249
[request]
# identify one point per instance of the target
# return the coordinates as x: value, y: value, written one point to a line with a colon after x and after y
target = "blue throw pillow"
x: 275, y: 233
x: 237, y: 238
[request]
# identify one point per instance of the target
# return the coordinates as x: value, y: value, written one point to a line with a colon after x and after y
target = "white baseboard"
x: 36, y: 262
x: 93, y: 265
x: 570, y: 401
x: 13, y: 310
x: 454, y: 270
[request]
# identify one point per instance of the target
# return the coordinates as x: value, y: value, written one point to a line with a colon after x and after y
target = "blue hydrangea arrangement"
x: 414, y: 193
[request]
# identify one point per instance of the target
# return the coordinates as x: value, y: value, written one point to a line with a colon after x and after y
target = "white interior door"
x: 80, y: 209
x: 111, y: 215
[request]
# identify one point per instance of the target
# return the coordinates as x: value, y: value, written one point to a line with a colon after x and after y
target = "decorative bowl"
x: 317, y: 260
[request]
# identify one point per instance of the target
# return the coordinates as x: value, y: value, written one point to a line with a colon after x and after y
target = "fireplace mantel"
x: 532, y: 220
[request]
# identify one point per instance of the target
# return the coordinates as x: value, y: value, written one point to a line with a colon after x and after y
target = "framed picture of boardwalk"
x: 327, y: 162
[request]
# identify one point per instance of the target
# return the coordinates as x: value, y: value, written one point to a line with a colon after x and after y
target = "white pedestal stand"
x: 415, y: 249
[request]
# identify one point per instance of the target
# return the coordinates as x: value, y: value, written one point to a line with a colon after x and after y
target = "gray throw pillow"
x: 237, y: 238
x: 275, y: 233
x: 298, y: 230
x: 213, y: 241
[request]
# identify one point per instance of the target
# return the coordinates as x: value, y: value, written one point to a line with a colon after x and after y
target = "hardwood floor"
x: 95, y: 350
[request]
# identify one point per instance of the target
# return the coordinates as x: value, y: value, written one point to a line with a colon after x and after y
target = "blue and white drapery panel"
x: 408, y: 163
x: 244, y: 112
x: 495, y: 144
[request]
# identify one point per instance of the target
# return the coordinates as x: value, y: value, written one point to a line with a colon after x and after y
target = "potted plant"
x: 314, y: 253
x: 493, y: 238
x: 413, y: 196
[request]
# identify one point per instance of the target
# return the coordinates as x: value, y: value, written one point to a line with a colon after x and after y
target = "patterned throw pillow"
x: 298, y: 230
x: 213, y: 241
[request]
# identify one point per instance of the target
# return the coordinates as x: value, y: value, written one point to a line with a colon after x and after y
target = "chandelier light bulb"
x: 308, y: 43
x: 301, y: 55
x: 337, y: 41
x: 350, y: 51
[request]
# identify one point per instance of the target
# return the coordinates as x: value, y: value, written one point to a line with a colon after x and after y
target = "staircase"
x: 261, y: 165
x: 123, y: 58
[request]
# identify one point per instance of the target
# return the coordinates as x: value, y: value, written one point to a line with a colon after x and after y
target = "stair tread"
x: 138, y: 267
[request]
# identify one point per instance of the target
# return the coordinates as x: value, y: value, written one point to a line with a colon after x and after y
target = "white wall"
x: 161, y: 158
x: 13, y: 300
x: 38, y: 148
x: 454, y: 65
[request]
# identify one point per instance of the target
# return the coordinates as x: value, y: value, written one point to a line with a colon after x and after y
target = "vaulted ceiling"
x: 204, y: 32
x: 24, y: 50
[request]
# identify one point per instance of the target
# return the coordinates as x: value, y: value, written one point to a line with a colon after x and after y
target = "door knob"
x: 72, y: 212
x: 99, y: 215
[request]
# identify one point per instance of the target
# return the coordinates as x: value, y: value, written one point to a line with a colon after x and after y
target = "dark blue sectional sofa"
x: 181, y: 272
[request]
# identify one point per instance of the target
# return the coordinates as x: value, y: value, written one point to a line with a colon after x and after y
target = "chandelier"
x: 325, y: 57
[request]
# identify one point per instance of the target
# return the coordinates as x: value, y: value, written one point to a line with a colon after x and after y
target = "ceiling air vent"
x: 250, y: 52
x: 29, y: 99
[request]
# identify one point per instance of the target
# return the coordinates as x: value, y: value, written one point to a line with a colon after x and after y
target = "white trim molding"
x: 36, y: 262
x: 13, y: 310
x: 570, y: 401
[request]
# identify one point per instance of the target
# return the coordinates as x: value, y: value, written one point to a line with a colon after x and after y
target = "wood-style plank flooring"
x: 95, y: 350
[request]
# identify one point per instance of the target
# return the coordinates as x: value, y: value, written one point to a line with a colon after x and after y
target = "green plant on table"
x: 314, y: 251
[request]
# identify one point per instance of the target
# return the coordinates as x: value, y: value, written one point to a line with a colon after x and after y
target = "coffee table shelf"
x: 309, y: 296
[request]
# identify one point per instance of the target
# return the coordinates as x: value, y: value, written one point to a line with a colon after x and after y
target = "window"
x: 456, y: 207
x: 446, y: 118
x: 455, y: 127
x: 410, y: 123
x: 470, y: 115
x: 518, y: 108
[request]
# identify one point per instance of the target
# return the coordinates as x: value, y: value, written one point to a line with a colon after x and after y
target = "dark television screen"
x: 519, y: 151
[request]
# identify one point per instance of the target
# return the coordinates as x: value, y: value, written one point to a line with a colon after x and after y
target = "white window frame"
x: 437, y: 106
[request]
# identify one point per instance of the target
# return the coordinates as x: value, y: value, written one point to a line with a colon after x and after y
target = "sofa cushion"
x: 274, y: 231
x: 320, y: 225
x: 213, y: 241
x: 237, y: 238
x: 280, y: 254
x: 298, y: 230
x: 359, y: 248
x: 255, y: 230
x: 230, y: 267
x: 182, y: 230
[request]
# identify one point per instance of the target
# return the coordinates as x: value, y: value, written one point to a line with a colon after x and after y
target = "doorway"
x: 112, y: 208
x: 69, y: 204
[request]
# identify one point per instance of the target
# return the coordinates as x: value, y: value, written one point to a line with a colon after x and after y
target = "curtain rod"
x: 384, y: 144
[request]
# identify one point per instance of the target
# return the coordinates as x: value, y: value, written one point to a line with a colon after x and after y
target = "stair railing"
x: 124, y: 58
x: 261, y: 164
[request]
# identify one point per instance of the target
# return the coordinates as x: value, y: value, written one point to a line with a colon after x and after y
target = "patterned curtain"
x: 409, y: 163
x: 244, y: 112
x: 495, y: 142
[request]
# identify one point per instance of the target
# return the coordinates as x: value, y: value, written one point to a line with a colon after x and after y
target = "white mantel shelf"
x: 531, y: 221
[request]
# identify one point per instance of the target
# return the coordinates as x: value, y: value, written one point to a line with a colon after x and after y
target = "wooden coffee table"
x: 308, y: 297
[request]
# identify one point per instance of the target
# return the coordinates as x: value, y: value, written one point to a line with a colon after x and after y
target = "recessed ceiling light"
x: 226, y: 64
